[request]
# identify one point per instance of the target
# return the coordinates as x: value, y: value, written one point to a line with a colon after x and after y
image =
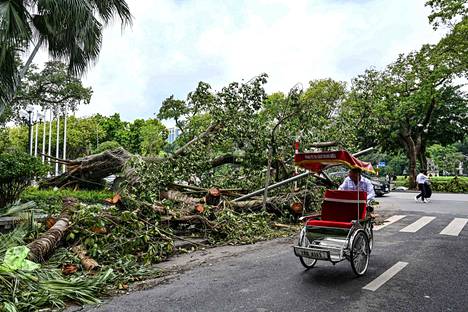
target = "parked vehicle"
x: 381, y: 187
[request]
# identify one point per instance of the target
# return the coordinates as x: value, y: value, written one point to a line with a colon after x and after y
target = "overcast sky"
x: 174, y: 44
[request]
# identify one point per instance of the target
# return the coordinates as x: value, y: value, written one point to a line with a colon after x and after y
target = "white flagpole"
x: 64, y: 136
x: 57, y: 143
x: 44, y: 128
x: 37, y: 133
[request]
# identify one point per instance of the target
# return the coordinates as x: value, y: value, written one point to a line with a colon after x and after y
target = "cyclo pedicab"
x: 343, y: 230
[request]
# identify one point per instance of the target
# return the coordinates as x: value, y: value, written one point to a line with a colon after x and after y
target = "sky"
x: 174, y: 44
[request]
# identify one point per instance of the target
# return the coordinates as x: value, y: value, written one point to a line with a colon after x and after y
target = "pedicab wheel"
x: 304, y: 242
x: 360, y: 253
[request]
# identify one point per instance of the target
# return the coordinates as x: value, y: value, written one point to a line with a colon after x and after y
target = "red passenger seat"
x: 339, y: 208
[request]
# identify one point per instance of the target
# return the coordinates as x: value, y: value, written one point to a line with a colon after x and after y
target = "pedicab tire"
x: 359, y: 259
x: 308, y: 266
x: 304, y: 262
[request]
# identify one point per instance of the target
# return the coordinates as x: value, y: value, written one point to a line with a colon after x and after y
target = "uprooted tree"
x: 226, y: 136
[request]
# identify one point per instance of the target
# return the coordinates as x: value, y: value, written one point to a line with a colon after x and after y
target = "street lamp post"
x: 30, y: 110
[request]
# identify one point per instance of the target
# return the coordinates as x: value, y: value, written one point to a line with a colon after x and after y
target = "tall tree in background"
x: 412, y: 103
x: 52, y: 87
x: 71, y: 30
x: 418, y: 99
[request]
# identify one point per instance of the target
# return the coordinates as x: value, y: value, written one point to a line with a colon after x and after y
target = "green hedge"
x: 442, y: 184
x: 51, y: 201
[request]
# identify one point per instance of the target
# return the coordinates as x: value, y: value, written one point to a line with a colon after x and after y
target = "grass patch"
x: 51, y: 201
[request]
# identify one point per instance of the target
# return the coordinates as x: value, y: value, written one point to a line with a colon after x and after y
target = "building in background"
x: 173, y: 134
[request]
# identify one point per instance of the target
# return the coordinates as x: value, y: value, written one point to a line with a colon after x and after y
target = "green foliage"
x: 445, y: 158
x: 129, y: 234
x: 450, y: 184
x: 45, y: 287
x: 53, y: 87
x: 145, y: 179
x: 146, y: 137
x: 17, y: 170
x: 446, y: 11
x: 105, y: 146
x: 412, y: 103
x: 153, y: 135
x: 51, y: 201
x: 244, y: 228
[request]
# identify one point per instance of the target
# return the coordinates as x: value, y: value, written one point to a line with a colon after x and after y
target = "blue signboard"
x: 382, y: 164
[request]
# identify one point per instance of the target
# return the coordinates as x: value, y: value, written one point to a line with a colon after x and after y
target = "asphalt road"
x: 268, y: 277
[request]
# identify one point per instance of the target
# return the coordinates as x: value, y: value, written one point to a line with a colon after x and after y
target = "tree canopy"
x: 71, y: 30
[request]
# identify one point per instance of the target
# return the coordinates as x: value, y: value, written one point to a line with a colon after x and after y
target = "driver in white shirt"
x: 354, y: 179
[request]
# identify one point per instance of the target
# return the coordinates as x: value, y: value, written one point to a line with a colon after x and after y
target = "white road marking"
x: 455, y: 227
x: 416, y: 226
x: 385, y: 276
x: 389, y: 221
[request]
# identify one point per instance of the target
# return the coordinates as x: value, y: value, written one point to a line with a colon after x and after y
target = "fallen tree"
x: 88, y: 170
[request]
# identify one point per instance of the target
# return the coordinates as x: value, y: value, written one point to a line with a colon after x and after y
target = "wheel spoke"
x: 360, y: 253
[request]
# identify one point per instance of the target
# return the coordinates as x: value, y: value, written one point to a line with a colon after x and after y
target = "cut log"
x: 296, y: 208
x: 213, y: 197
x: 199, y: 208
x: 43, y: 246
x: 285, y: 226
x: 88, y: 263
x: 181, y: 198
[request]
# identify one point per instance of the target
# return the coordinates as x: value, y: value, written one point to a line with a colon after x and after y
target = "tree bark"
x: 411, y: 153
x: 43, y: 246
x: 88, y: 263
x: 181, y: 198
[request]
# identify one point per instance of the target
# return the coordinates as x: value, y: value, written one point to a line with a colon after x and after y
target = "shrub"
x: 17, y: 170
x: 442, y: 184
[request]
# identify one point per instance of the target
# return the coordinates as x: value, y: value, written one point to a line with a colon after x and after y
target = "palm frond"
x: 14, y: 23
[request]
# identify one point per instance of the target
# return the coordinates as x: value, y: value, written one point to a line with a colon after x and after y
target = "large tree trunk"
x: 90, y: 169
x: 43, y: 246
x: 410, y: 149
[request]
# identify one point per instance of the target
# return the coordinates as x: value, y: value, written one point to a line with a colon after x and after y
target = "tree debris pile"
x: 89, y: 249
x: 192, y: 191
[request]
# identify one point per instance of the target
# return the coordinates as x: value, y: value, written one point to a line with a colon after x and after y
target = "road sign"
x: 382, y: 164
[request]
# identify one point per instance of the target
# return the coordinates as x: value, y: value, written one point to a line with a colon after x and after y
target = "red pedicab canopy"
x: 317, y: 161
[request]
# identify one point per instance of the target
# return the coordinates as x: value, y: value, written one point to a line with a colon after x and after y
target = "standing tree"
x: 71, y: 30
x: 413, y: 102
x: 416, y: 100
x: 53, y: 87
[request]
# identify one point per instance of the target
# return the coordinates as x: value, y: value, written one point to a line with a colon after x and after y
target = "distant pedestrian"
x: 421, y: 179
x: 428, y: 188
